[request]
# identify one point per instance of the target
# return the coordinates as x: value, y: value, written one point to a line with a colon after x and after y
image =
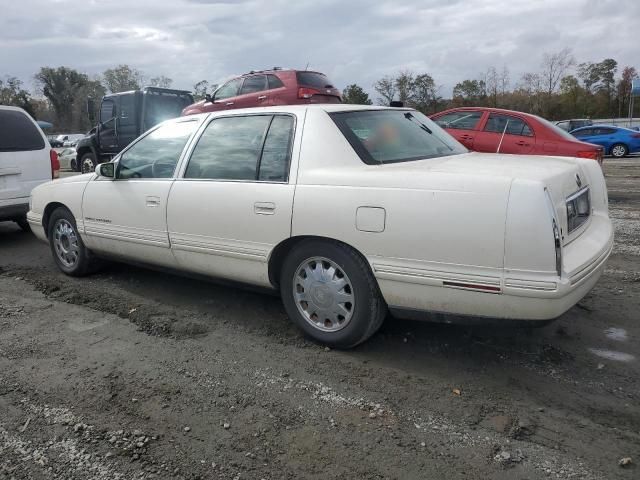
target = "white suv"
x: 26, y: 161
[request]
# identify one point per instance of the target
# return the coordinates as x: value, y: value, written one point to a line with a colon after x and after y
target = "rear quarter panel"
x: 437, y: 225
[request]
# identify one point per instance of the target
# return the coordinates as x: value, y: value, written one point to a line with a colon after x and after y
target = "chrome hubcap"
x: 65, y: 242
x: 618, y: 151
x: 87, y: 166
x: 323, y: 294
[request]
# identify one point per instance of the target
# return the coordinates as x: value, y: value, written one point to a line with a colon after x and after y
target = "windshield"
x: 555, y: 128
x: 313, y: 79
x: 388, y: 136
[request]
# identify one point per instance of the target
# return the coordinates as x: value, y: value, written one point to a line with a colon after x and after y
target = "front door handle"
x: 522, y: 144
x: 264, y: 208
x: 262, y: 97
x: 229, y: 104
x: 153, y: 201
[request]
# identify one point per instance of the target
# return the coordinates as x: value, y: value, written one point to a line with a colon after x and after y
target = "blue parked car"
x: 617, y: 141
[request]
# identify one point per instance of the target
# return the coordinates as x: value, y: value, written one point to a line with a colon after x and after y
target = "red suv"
x: 505, y: 131
x: 269, y: 87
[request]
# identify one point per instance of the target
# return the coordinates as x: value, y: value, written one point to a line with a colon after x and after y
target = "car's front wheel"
x: 88, y: 163
x: 328, y: 290
x: 69, y: 252
x: 619, y: 150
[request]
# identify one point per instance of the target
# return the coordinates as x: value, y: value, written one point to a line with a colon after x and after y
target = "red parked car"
x: 496, y: 130
x: 269, y: 87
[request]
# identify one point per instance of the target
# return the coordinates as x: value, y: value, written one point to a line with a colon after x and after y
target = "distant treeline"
x: 559, y: 88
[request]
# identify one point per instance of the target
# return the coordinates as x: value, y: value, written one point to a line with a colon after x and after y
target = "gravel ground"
x: 132, y: 373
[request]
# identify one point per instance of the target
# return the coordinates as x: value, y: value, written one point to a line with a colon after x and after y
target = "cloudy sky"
x: 350, y: 40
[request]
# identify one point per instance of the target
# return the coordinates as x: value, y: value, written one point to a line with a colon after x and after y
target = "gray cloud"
x: 352, y: 41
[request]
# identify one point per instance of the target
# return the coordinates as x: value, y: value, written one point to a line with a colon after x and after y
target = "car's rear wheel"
x: 72, y: 165
x: 88, y: 163
x: 69, y: 252
x: 619, y: 150
x: 328, y: 290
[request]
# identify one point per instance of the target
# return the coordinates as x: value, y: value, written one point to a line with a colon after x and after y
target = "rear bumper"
x: 13, y: 212
x: 523, y: 297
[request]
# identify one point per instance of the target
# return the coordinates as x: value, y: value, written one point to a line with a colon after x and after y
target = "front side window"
x: 499, y: 123
x: 583, y: 133
x: 249, y: 148
x: 157, y: 154
x: 106, y: 111
x: 466, y: 120
x: 253, y: 84
x: 605, y: 131
x: 18, y: 133
x: 228, y: 90
x: 388, y: 136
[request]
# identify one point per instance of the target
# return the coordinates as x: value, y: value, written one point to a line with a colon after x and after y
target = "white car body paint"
x: 467, y: 234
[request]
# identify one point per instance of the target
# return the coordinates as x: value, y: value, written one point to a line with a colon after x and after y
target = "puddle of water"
x: 617, y: 334
x: 613, y: 355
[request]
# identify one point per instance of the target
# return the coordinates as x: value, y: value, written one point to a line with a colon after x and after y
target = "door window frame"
x: 186, y: 157
x: 486, y: 121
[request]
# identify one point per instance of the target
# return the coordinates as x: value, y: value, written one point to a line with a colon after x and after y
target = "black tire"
x: 85, y: 262
x: 619, y: 150
x: 24, y: 225
x: 369, y: 308
x: 73, y: 166
x: 87, y: 163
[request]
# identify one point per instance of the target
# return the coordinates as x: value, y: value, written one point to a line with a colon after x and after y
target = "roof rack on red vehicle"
x: 265, y: 70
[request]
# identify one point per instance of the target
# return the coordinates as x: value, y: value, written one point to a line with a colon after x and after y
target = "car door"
x: 126, y: 216
x: 585, y: 134
x: 224, y: 98
x: 127, y: 119
x: 503, y: 133
x: 462, y: 125
x: 107, y: 135
x: 234, y: 199
x: 253, y: 92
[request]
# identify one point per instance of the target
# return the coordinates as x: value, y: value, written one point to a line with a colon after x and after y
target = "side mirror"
x: 106, y: 170
x: 208, y: 98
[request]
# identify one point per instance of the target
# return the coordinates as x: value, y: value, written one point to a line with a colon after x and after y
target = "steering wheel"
x: 162, y: 168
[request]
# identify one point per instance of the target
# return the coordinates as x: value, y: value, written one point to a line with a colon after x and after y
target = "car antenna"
x: 502, y: 137
x: 307, y: 67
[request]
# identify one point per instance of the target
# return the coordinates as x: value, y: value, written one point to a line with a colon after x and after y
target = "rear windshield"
x: 388, y: 136
x: 18, y: 133
x: 563, y: 133
x: 161, y: 106
x: 314, y: 79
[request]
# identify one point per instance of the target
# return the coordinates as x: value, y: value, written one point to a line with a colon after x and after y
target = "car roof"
x: 327, y: 107
x: 491, y: 110
x: 9, y: 107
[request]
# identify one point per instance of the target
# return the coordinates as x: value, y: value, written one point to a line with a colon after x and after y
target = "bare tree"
x: 386, y: 88
x: 554, y: 67
x: 492, y: 84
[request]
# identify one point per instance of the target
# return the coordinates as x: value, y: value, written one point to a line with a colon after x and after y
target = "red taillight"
x: 307, y: 93
x: 596, y: 155
x: 55, y: 164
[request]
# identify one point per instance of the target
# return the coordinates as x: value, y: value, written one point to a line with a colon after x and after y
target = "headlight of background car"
x: 578, y: 209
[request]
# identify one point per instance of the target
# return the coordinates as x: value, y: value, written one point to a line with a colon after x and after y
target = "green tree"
x: 356, y: 95
x: 122, y: 78
x: 201, y: 89
x: 12, y: 93
x: 61, y: 86
x: 470, y: 93
x: 424, y: 95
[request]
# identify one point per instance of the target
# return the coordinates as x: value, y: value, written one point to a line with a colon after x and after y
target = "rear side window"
x: 583, y: 133
x: 460, y: 120
x: 18, y: 133
x: 389, y: 136
x: 274, y: 82
x: 249, y: 148
x: 313, y: 79
x: 605, y: 131
x: 498, y: 123
x: 255, y: 83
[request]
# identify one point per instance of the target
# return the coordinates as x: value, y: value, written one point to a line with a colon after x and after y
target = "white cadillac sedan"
x: 349, y: 211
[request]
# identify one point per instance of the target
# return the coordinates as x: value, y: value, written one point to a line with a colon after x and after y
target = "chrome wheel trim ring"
x: 66, y: 243
x: 323, y: 294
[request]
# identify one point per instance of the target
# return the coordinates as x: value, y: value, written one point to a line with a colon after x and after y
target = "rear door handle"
x: 229, y: 103
x: 262, y: 97
x: 522, y: 144
x: 466, y: 137
x: 153, y: 201
x: 264, y: 208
